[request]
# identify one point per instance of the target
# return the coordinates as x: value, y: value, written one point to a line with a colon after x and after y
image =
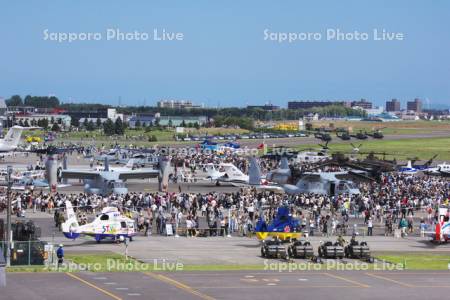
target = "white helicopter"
x: 110, y: 223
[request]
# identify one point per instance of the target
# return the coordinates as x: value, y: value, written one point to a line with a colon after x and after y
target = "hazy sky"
x: 223, y: 58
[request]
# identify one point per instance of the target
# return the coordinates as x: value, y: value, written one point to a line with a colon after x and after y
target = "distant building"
x: 177, y: 121
x: 62, y: 120
x: 415, y: 105
x: 393, y: 105
x: 102, y: 114
x: 268, y: 107
x: 21, y: 110
x: 144, y: 120
x: 363, y: 103
x: 177, y: 104
x: 311, y: 104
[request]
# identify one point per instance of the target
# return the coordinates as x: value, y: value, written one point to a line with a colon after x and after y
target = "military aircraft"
x: 108, y: 181
x: 281, y: 175
x: 440, y: 169
x: 283, y: 226
x: 110, y: 223
x: 213, y: 171
x: 11, y: 140
x: 355, y: 149
x: 254, y: 178
x: 408, y: 169
x: 323, y: 183
x: 311, y: 156
x: 115, y: 155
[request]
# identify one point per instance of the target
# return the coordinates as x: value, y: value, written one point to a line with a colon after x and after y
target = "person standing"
x: 60, y: 255
x: 369, y: 227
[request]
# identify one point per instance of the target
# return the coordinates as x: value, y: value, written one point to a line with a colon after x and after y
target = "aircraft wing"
x: 139, y: 174
x: 79, y: 174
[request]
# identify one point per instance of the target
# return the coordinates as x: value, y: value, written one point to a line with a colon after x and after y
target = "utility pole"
x: 8, y: 217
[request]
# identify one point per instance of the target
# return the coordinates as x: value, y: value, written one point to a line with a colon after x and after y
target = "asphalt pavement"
x: 230, y: 285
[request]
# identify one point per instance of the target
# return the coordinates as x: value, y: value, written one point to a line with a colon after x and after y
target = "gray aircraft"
x: 323, y: 183
x: 109, y: 181
x: 282, y: 174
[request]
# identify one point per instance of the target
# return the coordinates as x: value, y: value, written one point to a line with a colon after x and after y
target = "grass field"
x: 418, y: 261
x: 401, y: 149
x: 113, y: 262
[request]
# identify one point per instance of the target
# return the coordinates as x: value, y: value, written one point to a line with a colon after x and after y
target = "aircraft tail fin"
x: 254, y: 172
x: 130, y: 163
x: 164, y: 170
x: 106, y: 164
x: 284, y: 164
x: 70, y: 226
x: 409, y: 165
x: 12, y: 138
x: 70, y: 213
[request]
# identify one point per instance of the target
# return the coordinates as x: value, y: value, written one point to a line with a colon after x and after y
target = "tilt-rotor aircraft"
x: 108, y: 181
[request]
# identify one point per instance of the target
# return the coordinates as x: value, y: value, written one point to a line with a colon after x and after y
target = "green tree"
x: 15, y: 100
x: 45, y: 123
x: 108, y: 127
x: 137, y: 124
x: 99, y: 123
x: 75, y: 122
x: 119, y: 127
x: 55, y: 127
x: 90, y: 126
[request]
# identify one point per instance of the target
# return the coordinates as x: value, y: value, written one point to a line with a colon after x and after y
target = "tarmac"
x: 211, y: 285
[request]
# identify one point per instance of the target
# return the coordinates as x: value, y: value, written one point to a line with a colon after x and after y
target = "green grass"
x: 417, y: 261
x: 113, y: 262
x: 26, y: 269
x: 423, y: 148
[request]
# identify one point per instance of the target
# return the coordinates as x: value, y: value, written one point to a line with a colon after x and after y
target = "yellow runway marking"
x: 390, y: 280
x: 179, y: 285
x: 94, y: 286
x: 347, y: 279
x: 280, y: 286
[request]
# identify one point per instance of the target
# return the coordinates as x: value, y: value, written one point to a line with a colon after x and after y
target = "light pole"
x: 8, y: 217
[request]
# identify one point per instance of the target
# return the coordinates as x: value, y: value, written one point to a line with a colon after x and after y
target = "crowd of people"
x: 391, y: 203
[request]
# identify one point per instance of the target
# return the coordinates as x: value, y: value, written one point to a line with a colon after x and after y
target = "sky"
x: 223, y: 58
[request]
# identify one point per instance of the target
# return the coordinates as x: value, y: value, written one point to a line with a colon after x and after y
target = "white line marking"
x: 121, y: 289
x: 302, y: 279
x: 100, y: 278
x: 133, y: 294
x: 110, y: 283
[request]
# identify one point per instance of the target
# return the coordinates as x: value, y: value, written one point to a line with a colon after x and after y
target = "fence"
x: 28, y: 252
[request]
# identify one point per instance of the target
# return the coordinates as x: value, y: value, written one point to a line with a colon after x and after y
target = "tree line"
x: 35, y: 101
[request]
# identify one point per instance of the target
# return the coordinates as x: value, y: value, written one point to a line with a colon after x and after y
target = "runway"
x: 229, y: 285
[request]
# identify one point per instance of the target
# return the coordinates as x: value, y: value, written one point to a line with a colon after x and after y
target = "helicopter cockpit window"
x: 123, y: 224
x: 104, y: 218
